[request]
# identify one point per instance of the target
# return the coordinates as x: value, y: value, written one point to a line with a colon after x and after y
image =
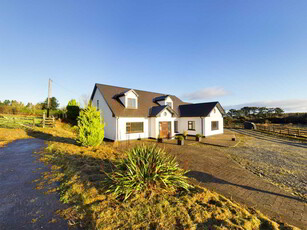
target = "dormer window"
x: 131, y: 103
x: 129, y: 99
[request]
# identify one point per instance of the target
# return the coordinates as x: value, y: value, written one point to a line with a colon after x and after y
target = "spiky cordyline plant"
x: 146, y: 166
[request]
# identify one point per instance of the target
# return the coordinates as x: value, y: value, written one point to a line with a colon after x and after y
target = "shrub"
x: 146, y: 167
x: 185, y: 133
x: 198, y: 135
x: 73, y: 112
x: 181, y: 138
x: 91, y: 129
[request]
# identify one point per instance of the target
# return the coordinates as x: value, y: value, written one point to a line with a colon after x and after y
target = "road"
x: 21, y: 205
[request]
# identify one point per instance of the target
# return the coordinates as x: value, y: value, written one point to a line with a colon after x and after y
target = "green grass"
x: 82, y: 171
x: 14, y: 121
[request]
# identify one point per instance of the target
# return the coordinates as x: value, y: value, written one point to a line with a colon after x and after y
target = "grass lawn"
x: 8, y: 135
x: 13, y: 127
x: 80, y: 172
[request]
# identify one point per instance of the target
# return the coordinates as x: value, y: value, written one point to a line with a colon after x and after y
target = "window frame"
x: 176, y: 127
x: 217, y: 125
x: 133, y: 99
x: 129, y: 124
x: 193, y: 128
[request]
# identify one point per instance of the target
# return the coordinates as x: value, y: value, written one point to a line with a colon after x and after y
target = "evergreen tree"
x: 54, y: 104
x: 73, y: 102
x: 91, y: 127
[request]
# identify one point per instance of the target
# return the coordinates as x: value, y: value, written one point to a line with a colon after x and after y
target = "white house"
x: 133, y: 114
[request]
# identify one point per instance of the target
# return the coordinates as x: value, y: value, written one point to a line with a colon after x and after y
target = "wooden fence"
x: 18, y: 121
x: 279, y: 129
x: 274, y: 128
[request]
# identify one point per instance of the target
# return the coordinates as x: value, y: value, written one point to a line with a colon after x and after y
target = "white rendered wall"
x: 122, y: 135
x: 109, y: 120
x: 217, y: 116
x: 183, y: 125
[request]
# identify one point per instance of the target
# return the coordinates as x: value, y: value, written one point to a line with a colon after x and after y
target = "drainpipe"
x: 202, y: 126
x: 116, y: 128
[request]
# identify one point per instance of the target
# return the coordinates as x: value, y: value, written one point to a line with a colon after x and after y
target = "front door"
x: 165, y: 129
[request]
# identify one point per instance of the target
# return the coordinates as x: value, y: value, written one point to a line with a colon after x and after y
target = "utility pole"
x: 49, y: 96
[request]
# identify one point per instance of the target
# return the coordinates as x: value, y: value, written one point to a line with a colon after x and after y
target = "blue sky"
x: 236, y: 52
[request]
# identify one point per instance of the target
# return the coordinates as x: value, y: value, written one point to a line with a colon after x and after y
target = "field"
x: 13, y: 121
x: 80, y: 172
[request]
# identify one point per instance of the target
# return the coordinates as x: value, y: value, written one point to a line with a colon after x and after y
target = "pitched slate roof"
x: 148, y: 103
x: 199, y: 109
x: 161, y: 98
x: 145, y: 101
x: 156, y: 110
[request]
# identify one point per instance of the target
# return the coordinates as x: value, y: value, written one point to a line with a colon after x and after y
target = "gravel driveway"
x: 281, y: 161
x: 21, y: 205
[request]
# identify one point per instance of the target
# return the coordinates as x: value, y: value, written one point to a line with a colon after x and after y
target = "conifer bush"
x: 91, y: 127
x: 146, y: 167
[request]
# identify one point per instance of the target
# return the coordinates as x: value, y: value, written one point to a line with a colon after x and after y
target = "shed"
x: 249, y: 125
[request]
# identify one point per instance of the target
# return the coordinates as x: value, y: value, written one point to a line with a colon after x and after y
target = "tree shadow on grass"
x: 50, y: 137
x: 208, y: 178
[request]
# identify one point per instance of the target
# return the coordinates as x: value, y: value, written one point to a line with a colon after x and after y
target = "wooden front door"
x: 165, y: 129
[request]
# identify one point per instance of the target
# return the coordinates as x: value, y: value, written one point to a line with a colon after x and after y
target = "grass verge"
x: 81, y: 173
x: 8, y: 135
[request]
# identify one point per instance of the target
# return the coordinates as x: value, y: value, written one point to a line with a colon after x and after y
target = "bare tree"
x: 84, y: 100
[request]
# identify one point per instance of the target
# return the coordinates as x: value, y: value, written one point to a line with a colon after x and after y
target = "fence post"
x: 43, y: 120
x: 53, y: 123
x: 33, y: 121
x: 298, y: 132
x: 288, y: 131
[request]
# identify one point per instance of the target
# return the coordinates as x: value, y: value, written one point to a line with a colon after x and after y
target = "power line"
x: 68, y: 90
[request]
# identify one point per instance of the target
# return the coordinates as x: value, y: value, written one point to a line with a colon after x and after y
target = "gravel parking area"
x: 281, y: 161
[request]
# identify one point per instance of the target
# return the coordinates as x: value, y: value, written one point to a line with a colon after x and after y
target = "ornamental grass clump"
x: 146, y: 167
x: 91, y: 127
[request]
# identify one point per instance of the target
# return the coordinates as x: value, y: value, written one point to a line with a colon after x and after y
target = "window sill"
x: 135, y: 133
x: 191, y: 129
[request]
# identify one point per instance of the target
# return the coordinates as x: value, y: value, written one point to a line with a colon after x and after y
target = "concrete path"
x: 21, y: 205
x: 213, y: 169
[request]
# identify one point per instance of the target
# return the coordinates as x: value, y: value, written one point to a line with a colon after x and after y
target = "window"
x: 97, y: 105
x: 131, y: 103
x: 214, y: 110
x: 170, y: 104
x: 134, y: 127
x: 176, y: 126
x: 165, y: 114
x: 191, y: 125
x: 214, y: 125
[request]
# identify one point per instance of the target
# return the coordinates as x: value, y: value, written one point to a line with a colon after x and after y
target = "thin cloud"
x: 291, y: 105
x: 206, y: 93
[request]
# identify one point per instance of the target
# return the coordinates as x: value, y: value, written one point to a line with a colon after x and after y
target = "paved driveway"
x: 21, y: 205
x: 281, y: 161
x: 212, y: 167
